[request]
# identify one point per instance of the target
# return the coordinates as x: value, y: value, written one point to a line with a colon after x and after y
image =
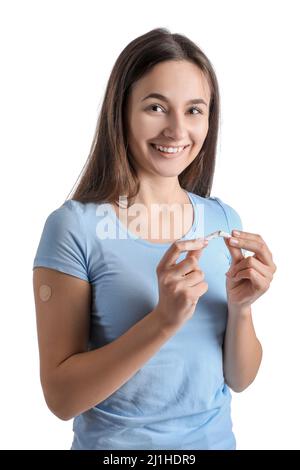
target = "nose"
x: 176, y: 127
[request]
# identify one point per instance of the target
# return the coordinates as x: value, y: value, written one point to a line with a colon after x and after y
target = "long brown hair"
x: 109, y: 170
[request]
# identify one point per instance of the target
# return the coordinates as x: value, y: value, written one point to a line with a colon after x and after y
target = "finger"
x: 258, y: 281
x: 236, y: 253
x: 250, y: 262
x: 249, y: 235
x: 197, y: 252
x: 172, y: 254
x: 256, y: 246
x: 192, y: 279
x: 186, y: 266
x: 193, y: 255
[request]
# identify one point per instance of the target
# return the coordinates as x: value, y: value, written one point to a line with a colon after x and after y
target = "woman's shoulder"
x: 69, y: 220
x: 62, y: 244
x: 72, y: 210
x: 219, y: 208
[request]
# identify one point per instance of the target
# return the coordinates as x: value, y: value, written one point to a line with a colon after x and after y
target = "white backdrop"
x: 56, y: 57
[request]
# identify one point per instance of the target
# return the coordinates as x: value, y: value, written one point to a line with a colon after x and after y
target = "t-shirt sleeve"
x: 233, y: 219
x: 63, y: 244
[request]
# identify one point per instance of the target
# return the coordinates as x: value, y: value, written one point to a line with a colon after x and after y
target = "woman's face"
x: 170, y: 122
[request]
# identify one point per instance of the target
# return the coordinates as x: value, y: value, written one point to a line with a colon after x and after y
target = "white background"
x: 56, y: 57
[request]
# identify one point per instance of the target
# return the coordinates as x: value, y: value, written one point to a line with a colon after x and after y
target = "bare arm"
x: 242, y: 352
x: 74, y: 379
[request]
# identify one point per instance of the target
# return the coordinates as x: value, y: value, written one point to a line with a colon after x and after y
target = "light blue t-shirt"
x: 178, y: 399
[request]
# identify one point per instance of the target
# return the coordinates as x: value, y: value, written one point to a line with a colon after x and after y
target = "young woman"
x: 142, y: 334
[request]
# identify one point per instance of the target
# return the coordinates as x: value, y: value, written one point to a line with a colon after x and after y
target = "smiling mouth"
x: 169, y: 154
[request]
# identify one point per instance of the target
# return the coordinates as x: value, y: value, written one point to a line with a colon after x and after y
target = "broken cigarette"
x: 221, y: 233
x: 218, y: 233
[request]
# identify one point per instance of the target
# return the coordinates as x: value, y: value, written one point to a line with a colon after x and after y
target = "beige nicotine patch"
x: 45, y: 292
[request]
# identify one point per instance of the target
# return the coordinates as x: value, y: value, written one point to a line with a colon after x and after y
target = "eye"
x: 154, y: 106
x: 192, y: 108
x: 197, y: 109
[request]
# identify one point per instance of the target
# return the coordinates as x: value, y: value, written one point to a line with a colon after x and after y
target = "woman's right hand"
x: 181, y: 284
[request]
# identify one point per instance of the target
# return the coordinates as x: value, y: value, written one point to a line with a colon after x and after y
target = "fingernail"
x: 236, y: 232
x: 232, y: 241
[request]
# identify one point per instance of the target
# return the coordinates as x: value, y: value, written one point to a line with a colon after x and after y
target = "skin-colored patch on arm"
x: 45, y: 292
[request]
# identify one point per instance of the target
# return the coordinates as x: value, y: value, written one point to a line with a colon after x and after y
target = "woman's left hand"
x: 248, y: 278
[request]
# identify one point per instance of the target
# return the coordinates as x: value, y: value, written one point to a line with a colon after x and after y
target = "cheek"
x: 141, y: 129
x: 201, y: 135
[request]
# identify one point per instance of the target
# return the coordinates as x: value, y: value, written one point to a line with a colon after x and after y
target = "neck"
x: 152, y: 192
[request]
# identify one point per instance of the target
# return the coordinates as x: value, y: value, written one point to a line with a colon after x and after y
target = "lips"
x: 167, y: 154
x: 167, y: 146
x: 153, y: 146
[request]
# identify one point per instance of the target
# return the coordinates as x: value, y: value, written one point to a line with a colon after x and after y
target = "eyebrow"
x: 163, y: 98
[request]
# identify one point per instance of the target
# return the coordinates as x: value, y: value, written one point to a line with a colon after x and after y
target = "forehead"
x: 174, y: 79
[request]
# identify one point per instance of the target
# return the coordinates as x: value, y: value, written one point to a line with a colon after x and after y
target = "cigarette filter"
x: 218, y: 233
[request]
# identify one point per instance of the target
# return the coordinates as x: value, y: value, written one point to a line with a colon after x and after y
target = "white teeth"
x: 168, y: 149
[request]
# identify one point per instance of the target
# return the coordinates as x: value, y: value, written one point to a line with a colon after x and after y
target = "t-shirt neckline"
x: 129, y: 235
